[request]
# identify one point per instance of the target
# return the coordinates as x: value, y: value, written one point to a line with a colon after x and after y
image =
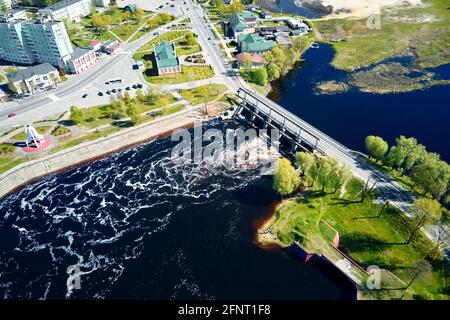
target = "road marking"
x: 53, y: 97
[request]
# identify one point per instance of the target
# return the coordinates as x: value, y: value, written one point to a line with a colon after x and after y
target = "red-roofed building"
x: 256, y: 59
x: 95, y: 45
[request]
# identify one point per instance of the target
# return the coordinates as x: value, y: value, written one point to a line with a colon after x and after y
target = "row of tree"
x: 324, y: 172
x: 425, y: 169
x: 224, y: 9
x: 119, y: 108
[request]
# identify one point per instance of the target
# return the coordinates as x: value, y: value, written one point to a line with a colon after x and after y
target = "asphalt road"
x: 53, y: 102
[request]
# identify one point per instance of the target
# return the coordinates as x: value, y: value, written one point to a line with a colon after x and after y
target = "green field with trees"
x: 321, y: 196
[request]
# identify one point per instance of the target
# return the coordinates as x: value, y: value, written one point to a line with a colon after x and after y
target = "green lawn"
x: 6, y: 148
x: 60, y: 130
x: 188, y: 74
x: 401, y: 29
x: 367, y: 239
x: 41, y: 130
x: 203, y: 94
x: 145, y: 52
x: 9, y: 161
x: 97, y: 115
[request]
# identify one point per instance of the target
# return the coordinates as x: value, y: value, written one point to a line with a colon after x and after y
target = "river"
x: 349, y: 117
x: 139, y: 225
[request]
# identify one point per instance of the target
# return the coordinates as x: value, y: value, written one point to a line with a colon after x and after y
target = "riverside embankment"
x: 22, y: 174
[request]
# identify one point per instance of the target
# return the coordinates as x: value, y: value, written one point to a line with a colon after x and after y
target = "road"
x: 51, y: 103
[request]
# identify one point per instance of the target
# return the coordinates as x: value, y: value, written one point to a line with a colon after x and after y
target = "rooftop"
x: 29, y: 72
x: 238, y: 20
x: 165, y: 54
x: 78, y: 52
x: 252, y: 42
x: 60, y: 5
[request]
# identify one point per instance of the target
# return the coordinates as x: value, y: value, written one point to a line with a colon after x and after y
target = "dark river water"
x: 349, y: 117
x: 139, y: 225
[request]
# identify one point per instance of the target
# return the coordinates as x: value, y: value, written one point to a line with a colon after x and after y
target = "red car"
x: 12, y: 114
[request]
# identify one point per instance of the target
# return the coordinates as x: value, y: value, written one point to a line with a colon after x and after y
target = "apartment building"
x: 14, y: 46
x: 36, y: 40
x: 72, y: 9
x: 47, y: 40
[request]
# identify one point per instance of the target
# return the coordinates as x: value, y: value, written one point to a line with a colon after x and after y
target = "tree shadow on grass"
x: 357, y: 241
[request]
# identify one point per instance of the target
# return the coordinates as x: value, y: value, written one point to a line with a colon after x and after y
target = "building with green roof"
x: 166, y: 58
x: 253, y: 43
x: 241, y: 22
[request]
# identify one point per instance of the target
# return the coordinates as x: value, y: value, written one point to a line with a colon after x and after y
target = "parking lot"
x: 154, y: 5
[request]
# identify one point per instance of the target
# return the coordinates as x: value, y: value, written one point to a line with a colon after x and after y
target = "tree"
x: 190, y: 39
x: 285, y: 179
x: 376, y: 146
x: 260, y: 76
x: 133, y: 112
x: 140, y: 96
x: 99, y: 22
x: 326, y: 165
x: 76, y: 115
x: 425, y: 211
x: 247, y: 60
x: 126, y: 15
x: 339, y: 176
x: 304, y: 161
x: 139, y: 13
x: 426, y: 171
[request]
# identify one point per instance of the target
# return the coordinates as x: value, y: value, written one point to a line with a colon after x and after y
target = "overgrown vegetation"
x: 425, y: 30
x: 203, y: 94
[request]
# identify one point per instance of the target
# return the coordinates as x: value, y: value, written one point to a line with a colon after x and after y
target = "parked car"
x: 134, y: 86
x: 128, y: 88
x: 139, y: 86
x: 108, y: 92
x: 100, y: 93
x: 113, y: 90
x: 11, y: 114
x: 84, y: 95
x: 107, y: 82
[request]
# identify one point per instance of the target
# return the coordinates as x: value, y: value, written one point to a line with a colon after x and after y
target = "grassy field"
x: 425, y: 30
x: 60, y: 130
x: 174, y: 36
x: 6, y: 148
x: 203, y: 94
x: 367, y: 238
x: 188, y: 74
x: 97, y: 115
x: 41, y: 130
x: 9, y: 161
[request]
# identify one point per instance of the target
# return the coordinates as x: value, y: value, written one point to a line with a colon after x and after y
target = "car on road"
x: 156, y: 33
x: 107, y: 82
x: 84, y: 95
x: 139, y: 86
x: 172, y: 6
x: 11, y: 114
x: 108, y: 92
x: 128, y: 88
x: 134, y: 86
x: 113, y: 90
x: 100, y: 93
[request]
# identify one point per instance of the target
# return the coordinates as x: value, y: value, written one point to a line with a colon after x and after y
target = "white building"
x: 80, y: 60
x: 297, y: 25
x: 72, y: 9
x: 34, y: 79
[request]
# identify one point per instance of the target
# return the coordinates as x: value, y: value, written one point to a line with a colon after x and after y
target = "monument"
x: 32, y: 137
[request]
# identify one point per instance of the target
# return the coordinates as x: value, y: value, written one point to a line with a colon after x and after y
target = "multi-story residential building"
x: 80, y: 60
x: 34, y: 79
x: 14, y: 46
x: 47, y: 40
x: 72, y: 9
x: 166, y: 58
x: 37, y: 40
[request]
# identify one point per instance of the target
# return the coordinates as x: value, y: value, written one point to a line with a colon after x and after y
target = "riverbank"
x: 25, y: 173
x: 368, y: 235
